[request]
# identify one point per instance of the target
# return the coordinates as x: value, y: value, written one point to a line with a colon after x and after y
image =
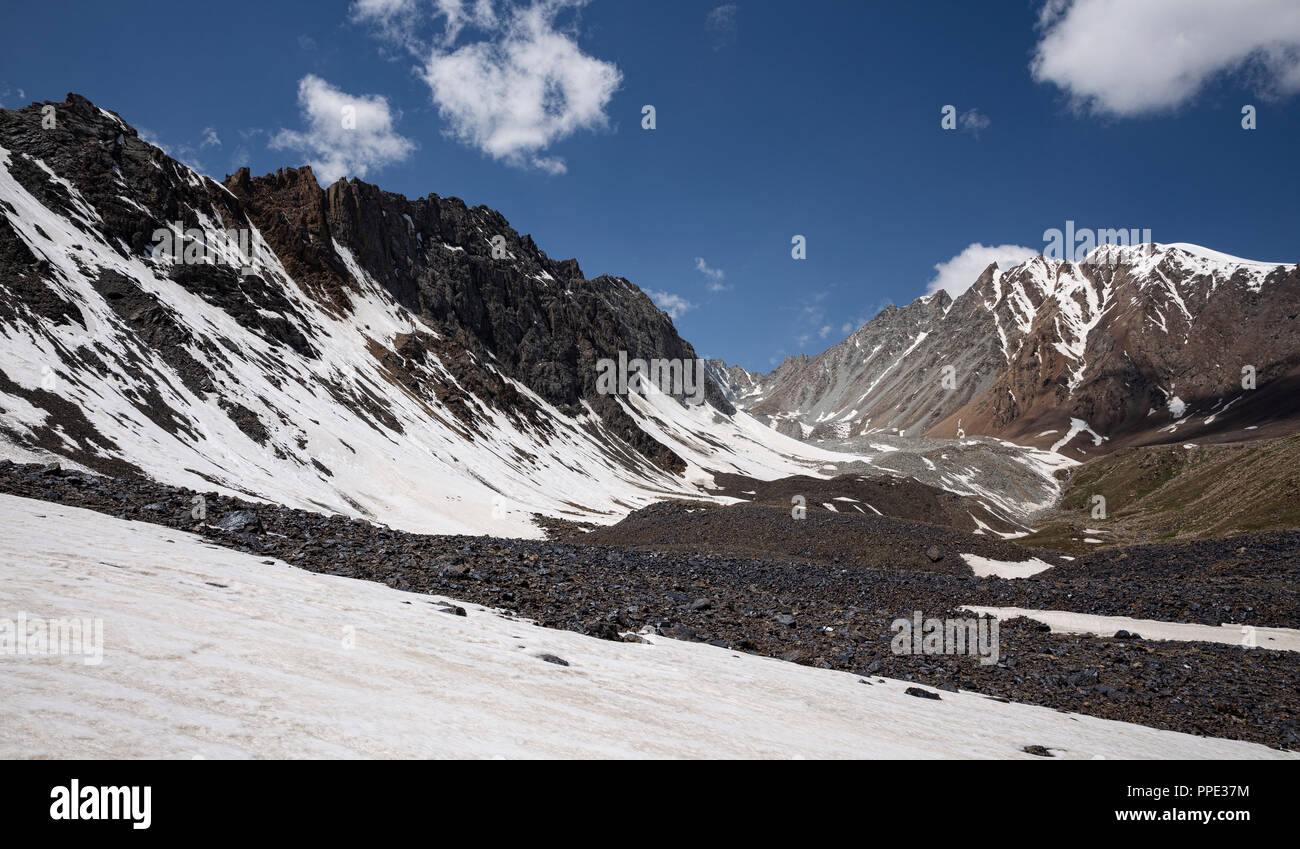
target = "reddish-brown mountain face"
x: 1139, y: 344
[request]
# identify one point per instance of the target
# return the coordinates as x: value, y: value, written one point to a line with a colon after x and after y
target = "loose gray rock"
x: 240, y: 520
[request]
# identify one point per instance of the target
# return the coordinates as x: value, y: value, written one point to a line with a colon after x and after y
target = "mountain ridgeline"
x: 366, y: 342
x: 421, y: 363
x: 1138, y: 344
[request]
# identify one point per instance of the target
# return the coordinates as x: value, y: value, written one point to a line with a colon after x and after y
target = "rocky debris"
x: 850, y: 540
x: 901, y: 495
x: 922, y: 694
x: 240, y: 520
x: 1040, y: 751
x: 550, y: 658
x: 814, y: 613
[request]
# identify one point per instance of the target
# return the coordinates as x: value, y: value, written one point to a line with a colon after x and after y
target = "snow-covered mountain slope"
x: 207, y: 652
x: 1136, y: 344
x: 370, y: 356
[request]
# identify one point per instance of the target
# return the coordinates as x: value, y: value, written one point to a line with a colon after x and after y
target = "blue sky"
x: 772, y: 119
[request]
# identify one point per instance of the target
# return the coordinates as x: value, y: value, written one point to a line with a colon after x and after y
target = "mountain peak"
x: 1120, y: 342
x: 344, y: 349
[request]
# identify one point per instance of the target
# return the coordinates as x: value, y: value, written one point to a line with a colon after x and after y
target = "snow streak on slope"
x: 211, y: 653
x: 334, y: 429
x: 1248, y: 637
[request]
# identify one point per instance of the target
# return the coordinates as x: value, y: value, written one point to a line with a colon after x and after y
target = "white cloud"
x: 148, y: 136
x: 336, y: 147
x: 240, y: 158
x: 703, y: 267
x: 210, y: 138
x: 959, y: 273
x: 400, y: 21
x: 810, y: 319
x: 394, y: 20
x: 524, y: 88
x: 974, y: 122
x: 674, y: 305
x: 6, y: 93
x: 715, y: 275
x: 721, y: 23
x: 185, y: 153
x: 1127, y: 59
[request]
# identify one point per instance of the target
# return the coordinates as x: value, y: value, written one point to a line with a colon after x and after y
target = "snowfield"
x: 1066, y: 622
x: 984, y: 567
x: 216, y: 654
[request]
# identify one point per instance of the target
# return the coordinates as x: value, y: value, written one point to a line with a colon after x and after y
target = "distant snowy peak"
x: 1029, y: 349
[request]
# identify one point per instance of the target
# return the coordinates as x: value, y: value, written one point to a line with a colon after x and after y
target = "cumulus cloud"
x: 958, y: 274
x: 403, y: 22
x: 675, y: 305
x: 715, y: 275
x: 518, y: 83
x: 346, y: 135
x: 1125, y: 59
x: 396, y: 21
x: 974, y: 122
x: 518, y: 86
x: 516, y: 95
